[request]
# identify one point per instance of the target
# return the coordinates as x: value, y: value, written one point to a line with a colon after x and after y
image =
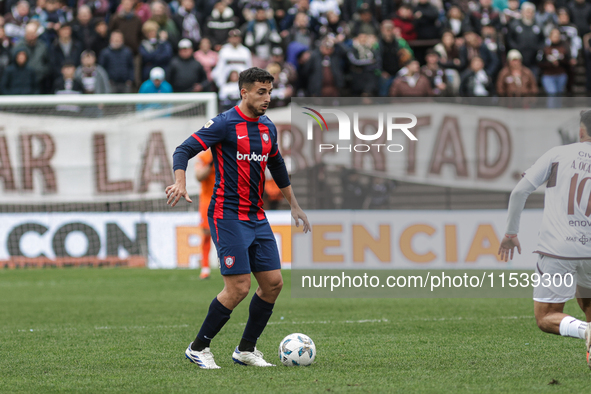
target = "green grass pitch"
x: 118, y: 330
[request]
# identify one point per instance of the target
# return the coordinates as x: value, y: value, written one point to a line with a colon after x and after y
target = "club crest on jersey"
x: 229, y: 261
x: 209, y: 123
x: 266, y: 138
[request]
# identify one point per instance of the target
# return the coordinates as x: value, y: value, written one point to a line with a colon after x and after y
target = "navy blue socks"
x: 259, y: 313
x: 217, y: 316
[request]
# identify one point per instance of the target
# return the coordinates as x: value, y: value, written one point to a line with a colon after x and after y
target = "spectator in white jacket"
x: 234, y: 55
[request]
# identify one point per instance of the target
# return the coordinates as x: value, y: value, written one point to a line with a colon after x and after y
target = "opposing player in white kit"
x: 564, y: 245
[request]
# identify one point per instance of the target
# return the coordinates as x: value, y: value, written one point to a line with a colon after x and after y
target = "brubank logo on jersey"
x: 391, y: 120
x: 251, y: 157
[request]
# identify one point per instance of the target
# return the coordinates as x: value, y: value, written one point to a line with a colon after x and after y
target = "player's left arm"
x: 533, y: 178
x: 278, y: 170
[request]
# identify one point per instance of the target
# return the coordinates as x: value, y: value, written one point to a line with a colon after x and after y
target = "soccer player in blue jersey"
x: 243, y: 142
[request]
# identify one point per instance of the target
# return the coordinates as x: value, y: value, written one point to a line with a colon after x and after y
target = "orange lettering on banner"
x: 320, y: 243
x: 485, y: 232
x: 406, y: 243
x: 184, y: 248
x: 363, y: 240
x: 284, y: 231
x: 451, y: 243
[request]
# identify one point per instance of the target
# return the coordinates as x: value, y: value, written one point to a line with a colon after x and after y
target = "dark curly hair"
x: 254, y: 74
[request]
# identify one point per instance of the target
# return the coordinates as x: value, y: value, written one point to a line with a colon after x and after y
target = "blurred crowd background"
x: 323, y: 48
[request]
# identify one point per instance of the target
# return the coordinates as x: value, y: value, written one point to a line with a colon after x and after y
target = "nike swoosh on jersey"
x: 242, y: 136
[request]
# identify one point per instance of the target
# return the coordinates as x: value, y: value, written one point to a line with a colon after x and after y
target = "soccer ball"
x: 297, y: 349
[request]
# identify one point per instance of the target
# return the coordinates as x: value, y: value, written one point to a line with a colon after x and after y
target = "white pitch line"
x: 363, y: 321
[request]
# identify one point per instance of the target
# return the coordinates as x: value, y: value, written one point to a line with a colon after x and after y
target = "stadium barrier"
x: 339, y: 239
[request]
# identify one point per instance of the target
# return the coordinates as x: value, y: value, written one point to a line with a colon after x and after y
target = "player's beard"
x: 257, y: 111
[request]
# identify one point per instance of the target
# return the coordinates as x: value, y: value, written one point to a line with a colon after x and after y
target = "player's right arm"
x: 212, y: 133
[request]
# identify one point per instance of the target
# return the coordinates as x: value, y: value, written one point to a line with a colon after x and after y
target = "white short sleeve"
x: 540, y: 171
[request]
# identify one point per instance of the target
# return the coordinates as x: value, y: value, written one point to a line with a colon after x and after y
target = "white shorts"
x: 559, y: 280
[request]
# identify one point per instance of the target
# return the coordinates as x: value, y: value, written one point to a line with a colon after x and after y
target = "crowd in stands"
x: 323, y: 48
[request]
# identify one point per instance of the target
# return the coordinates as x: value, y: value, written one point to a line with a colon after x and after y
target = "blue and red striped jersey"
x: 242, y: 148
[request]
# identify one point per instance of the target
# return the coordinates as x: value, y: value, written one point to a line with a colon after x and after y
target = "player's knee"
x: 542, y: 323
x: 276, y: 286
x: 241, y: 292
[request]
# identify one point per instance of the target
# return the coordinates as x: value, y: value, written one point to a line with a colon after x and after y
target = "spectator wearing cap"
x: 186, y: 21
x: 65, y: 49
x: 325, y: 71
x: 130, y: 25
x: 155, y: 49
x: 435, y: 74
x: 187, y: 74
x: 474, y: 47
x: 18, y: 77
x: 364, y: 65
x: 426, y: 20
x: 580, y: 11
x: 117, y: 60
x: 484, y: 15
x: 207, y: 57
x: 156, y: 83
x: 412, y: 83
x: 160, y: 15
x: 404, y: 20
x: 389, y: 54
x: 67, y: 81
x: 219, y: 24
x: 232, y: 54
x: 93, y: 76
x: 16, y: 20
x: 39, y: 59
x: 527, y: 37
x: 260, y: 35
x: 83, y: 28
x: 516, y: 80
x: 365, y: 23
x: 475, y: 80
